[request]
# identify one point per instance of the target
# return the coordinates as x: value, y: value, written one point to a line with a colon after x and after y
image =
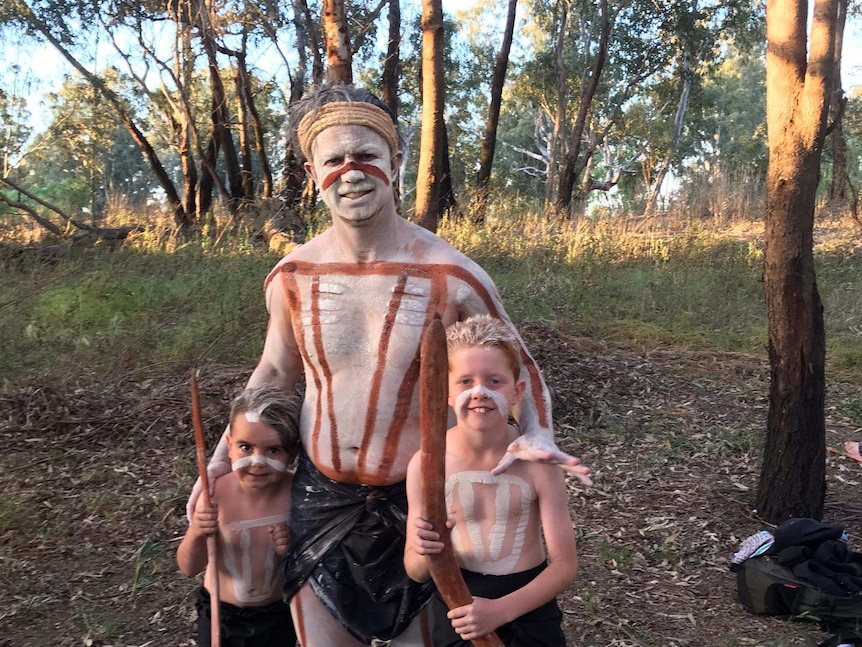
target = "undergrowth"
x: 161, y: 300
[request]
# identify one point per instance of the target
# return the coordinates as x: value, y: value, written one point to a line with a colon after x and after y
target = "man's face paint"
x: 368, y: 169
x: 353, y: 166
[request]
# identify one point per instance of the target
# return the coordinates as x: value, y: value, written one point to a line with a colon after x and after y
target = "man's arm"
x: 533, y: 412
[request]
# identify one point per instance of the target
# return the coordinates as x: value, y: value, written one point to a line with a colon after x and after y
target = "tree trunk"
x: 798, y: 87
x: 555, y: 145
x: 569, y: 169
x: 838, y: 194
x: 489, y: 143
x: 184, y: 70
x: 431, y: 140
x: 447, y: 189
x: 220, y: 115
x: 293, y: 174
x: 338, y: 55
x: 256, y: 126
x: 393, y: 58
x: 242, y: 127
x: 655, y: 189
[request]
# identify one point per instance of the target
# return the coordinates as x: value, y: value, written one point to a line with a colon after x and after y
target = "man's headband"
x: 345, y: 113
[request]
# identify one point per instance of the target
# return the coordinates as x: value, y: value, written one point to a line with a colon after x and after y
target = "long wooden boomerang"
x: 212, y: 540
x: 433, y: 421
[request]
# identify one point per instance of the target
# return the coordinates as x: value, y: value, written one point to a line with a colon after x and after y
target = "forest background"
x: 144, y: 200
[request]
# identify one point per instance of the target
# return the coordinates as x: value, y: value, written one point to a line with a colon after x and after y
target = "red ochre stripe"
x: 299, y: 334
x: 317, y: 335
x: 377, y: 379
x: 422, y: 270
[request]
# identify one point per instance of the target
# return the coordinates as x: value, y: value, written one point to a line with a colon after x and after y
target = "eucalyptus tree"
x: 14, y: 131
x: 189, y: 61
x: 430, y: 167
x: 612, y: 85
x: 799, y: 85
x: 489, y: 141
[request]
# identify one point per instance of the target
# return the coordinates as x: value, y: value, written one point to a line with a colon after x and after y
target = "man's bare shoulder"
x: 432, y: 249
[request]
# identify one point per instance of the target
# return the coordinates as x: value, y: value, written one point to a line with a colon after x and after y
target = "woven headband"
x: 345, y: 113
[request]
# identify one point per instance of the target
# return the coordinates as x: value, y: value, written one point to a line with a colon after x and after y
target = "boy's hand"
x: 426, y: 541
x: 480, y: 617
x: 280, y: 535
x: 206, y: 519
x: 535, y: 448
x: 214, y: 470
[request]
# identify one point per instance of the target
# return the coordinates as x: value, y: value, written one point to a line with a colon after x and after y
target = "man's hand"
x: 852, y: 449
x: 214, y: 470
x: 535, y: 448
x: 280, y: 535
x: 477, y: 619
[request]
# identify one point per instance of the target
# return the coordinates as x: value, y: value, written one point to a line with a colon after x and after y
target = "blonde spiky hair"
x: 485, y: 331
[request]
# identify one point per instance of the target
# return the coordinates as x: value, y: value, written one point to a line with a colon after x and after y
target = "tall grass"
x: 163, y: 301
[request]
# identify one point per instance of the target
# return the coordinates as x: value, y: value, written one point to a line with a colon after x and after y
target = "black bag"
x: 848, y: 638
x: 766, y: 587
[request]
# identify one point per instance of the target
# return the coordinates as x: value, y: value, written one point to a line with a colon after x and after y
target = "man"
x: 348, y: 309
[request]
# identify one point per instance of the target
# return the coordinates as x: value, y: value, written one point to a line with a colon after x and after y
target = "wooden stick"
x: 433, y: 422
x: 212, y: 540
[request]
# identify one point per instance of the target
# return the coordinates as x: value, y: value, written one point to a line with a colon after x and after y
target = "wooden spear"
x: 212, y: 540
x: 433, y: 422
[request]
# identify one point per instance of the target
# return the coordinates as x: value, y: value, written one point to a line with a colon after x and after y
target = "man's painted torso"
x: 358, y: 329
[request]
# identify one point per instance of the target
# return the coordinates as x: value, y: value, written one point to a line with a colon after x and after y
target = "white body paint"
x: 491, y: 515
x: 257, y: 459
x: 251, y: 587
x: 479, y: 391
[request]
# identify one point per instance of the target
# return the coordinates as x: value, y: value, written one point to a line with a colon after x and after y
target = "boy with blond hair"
x: 496, y: 520
x: 249, y: 512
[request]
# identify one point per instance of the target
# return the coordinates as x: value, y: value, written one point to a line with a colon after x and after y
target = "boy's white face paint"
x: 252, y: 416
x: 463, y: 400
x: 257, y: 459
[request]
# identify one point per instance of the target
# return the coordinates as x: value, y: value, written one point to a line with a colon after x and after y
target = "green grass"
x: 164, y: 302
x: 126, y: 309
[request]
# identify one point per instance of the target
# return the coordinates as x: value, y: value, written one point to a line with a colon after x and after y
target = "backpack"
x: 766, y: 587
x: 843, y: 639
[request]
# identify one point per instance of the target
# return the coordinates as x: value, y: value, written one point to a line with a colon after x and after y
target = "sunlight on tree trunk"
x: 555, y: 146
x: 838, y: 194
x: 798, y: 87
x: 431, y: 140
x: 338, y: 55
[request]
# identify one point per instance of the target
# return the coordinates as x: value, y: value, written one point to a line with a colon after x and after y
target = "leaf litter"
x: 97, y: 468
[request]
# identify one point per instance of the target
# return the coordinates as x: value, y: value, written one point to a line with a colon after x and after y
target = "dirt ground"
x: 96, y: 469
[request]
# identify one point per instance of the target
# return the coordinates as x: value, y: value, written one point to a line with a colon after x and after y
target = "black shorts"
x: 266, y: 626
x: 540, y: 627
